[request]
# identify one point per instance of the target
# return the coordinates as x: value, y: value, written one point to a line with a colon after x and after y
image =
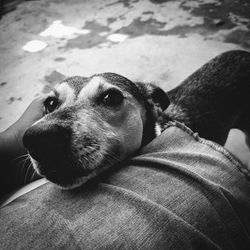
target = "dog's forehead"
x: 95, y: 85
x: 112, y: 79
x: 78, y: 87
x: 65, y: 92
x: 77, y: 83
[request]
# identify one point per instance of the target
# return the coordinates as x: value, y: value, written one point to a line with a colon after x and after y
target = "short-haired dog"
x: 93, y: 123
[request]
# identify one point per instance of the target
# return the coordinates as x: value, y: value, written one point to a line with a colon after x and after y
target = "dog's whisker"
x: 20, y: 157
x: 23, y: 162
x: 27, y: 173
x: 112, y: 155
x: 33, y: 175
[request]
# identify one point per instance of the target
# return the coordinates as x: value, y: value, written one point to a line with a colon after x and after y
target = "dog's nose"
x: 46, y: 142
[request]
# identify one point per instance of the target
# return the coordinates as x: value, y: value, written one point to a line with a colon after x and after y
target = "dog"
x: 93, y: 123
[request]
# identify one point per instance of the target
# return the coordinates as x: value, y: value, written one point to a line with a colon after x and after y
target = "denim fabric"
x: 180, y: 192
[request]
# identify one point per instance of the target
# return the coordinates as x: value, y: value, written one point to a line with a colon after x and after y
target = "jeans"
x: 179, y: 192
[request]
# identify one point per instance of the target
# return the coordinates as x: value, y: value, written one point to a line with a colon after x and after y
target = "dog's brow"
x: 56, y: 93
x: 64, y: 92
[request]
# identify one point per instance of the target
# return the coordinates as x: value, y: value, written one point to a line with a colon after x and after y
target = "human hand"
x: 11, y: 139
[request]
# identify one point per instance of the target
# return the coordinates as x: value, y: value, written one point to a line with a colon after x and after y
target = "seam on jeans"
x: 241, y: 167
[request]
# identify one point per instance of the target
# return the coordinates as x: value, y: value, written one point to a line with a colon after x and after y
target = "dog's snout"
x: 45, y: 142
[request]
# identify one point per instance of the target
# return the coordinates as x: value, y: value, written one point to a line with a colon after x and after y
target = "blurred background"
x: 43, y: 41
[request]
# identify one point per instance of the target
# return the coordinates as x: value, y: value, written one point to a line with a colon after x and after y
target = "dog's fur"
x: 93, y: 123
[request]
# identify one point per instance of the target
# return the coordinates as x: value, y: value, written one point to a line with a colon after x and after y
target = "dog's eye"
x: 113, y: 97
x: 50, y: 104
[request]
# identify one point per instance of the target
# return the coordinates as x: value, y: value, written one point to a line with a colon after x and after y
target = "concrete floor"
x: 157, y: 41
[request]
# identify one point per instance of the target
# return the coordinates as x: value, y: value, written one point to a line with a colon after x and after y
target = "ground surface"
x: 158, y: 41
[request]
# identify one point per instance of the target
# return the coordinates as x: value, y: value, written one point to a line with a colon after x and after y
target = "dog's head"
x: 91, y: 124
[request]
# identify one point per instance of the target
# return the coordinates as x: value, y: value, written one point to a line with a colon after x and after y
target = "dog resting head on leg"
x: 91, y: 124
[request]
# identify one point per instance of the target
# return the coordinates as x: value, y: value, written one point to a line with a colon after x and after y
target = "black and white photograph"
x: 125, y: 124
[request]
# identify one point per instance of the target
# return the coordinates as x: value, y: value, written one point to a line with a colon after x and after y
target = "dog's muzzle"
x: 47, y: 143
x: 49, y: 146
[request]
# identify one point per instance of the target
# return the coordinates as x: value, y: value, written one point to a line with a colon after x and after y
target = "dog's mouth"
x: 69, y: 171
x: 59, y: 167
x: 61, y: 173
x: 64, y: 179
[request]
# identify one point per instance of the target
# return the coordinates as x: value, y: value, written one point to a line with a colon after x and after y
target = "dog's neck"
x: 158, y: 129
x: 161, y: 122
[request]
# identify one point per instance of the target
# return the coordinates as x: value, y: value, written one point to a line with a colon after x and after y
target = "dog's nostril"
x: 44, y: 141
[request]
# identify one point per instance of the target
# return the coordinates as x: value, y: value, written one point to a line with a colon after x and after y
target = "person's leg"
x: 215, y: 98
x: 181, y: 191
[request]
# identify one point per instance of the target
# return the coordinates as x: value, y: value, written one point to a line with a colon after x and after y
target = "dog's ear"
x: 154, y: 95
x: 155, y: 101
x: 158, y: 96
